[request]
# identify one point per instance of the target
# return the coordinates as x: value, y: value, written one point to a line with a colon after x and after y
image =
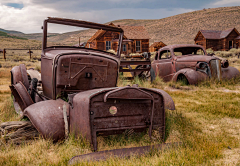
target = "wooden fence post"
x: 30, y: 54
x: 4, y: 54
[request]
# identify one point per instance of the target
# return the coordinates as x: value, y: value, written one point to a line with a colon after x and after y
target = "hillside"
x: 176, y: 29
x: 8, y: 42
x: 4, y: 34
x: 183, y: 28
x: 11, y: 32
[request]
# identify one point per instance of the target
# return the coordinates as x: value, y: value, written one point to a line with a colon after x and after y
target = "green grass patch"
x: 4, y: 34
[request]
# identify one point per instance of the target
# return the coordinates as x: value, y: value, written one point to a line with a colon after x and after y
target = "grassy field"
x: 206, y: 121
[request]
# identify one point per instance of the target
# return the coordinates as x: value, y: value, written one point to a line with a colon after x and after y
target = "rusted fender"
x: 192, y: 76
x: 230, y: 72
x: 21, y: 96
x: 125, y: 152
x: 47, y: 118
x: 19, y: 73
x: 168, y: 101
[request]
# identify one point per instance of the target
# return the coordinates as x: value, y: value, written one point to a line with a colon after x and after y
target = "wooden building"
x: 218, y: 40
x: 156, y: 46
x: 135, y: 40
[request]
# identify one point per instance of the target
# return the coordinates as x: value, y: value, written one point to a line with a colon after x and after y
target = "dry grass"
x: 18, y: 43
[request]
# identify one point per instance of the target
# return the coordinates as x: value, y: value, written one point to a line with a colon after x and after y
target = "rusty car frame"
x: 189, y: 63
x: 137, y: 65
x: 77, y: 92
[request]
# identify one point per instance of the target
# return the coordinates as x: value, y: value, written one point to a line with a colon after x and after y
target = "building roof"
x: 96, y: 35
x: 155, y: 44
x: 130, y: 32
x: 181, y: 45
x: 135, y: 32
x: 237, y: 38
x: 212, y: 34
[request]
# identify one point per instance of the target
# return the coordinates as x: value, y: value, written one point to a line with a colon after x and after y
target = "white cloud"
x: 226, y: 3
x: 29, y: 19
x: 25, y: 19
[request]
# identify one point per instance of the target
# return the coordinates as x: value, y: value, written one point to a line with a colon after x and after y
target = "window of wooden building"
x: 108, y: 45
x: 124, y: 47
x: 138, y: 46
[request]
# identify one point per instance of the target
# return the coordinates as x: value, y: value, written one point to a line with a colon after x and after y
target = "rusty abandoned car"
x: 189, y: 63
x: 87, y: 81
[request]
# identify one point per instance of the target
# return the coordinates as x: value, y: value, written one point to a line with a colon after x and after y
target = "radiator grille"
x: 215, y: 66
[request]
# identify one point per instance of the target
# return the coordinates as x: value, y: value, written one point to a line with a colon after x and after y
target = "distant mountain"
x: 4, y: 34
x: 178, y: 29
x: 33, y: 36
x: 11, y: 32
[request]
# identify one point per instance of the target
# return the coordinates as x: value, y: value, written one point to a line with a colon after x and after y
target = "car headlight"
x: 201, y: 65
x: 225, y: 63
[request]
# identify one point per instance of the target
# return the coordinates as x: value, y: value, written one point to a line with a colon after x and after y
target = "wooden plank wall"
x: 213, y: 44
x: 100, y: 43
x: 145, y: 45
x: 201, y: 40
x: 217, y: 44
x: 230, y: 37
x: 157, y: 47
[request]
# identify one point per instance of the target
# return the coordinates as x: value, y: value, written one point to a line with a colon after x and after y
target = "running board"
x: 125, y: 152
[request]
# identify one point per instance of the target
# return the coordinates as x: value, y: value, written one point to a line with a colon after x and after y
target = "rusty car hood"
x: 195, y: 58
x: 51, y: 52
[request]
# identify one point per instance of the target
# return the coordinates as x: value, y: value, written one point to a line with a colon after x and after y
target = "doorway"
x: 230, y: 44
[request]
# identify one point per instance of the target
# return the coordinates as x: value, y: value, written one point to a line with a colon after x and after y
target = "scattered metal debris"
x: 125, y: 152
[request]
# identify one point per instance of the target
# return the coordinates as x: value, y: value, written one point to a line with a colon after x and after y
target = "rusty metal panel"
x: 47, y: 118
x: 113, y: 110
x: 16, y: 75
x: 168, y: 101
x: 230, y: 72
x: 125, y: 152
x: 192, y: 75
x: 81, y: 72
x: 46, y: 76
x: 21, y: 95
x: 80, y: 110
x: 24, y: 75
x: 19, y: 73
x: 75, y: 71
x: 81, y: 23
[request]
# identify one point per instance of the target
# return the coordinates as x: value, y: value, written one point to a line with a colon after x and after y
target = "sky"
x: 27, y: 15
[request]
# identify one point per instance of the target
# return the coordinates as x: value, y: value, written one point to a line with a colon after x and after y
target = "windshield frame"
x: 79, y: 23
x: 187, y: 47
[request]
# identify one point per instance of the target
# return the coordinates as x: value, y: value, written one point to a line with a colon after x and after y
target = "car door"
x: 163, y: 65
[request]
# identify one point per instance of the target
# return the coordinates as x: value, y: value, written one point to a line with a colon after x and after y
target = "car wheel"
x: 152, y: 74
x: 145, y: 75
x: 182, y: 79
